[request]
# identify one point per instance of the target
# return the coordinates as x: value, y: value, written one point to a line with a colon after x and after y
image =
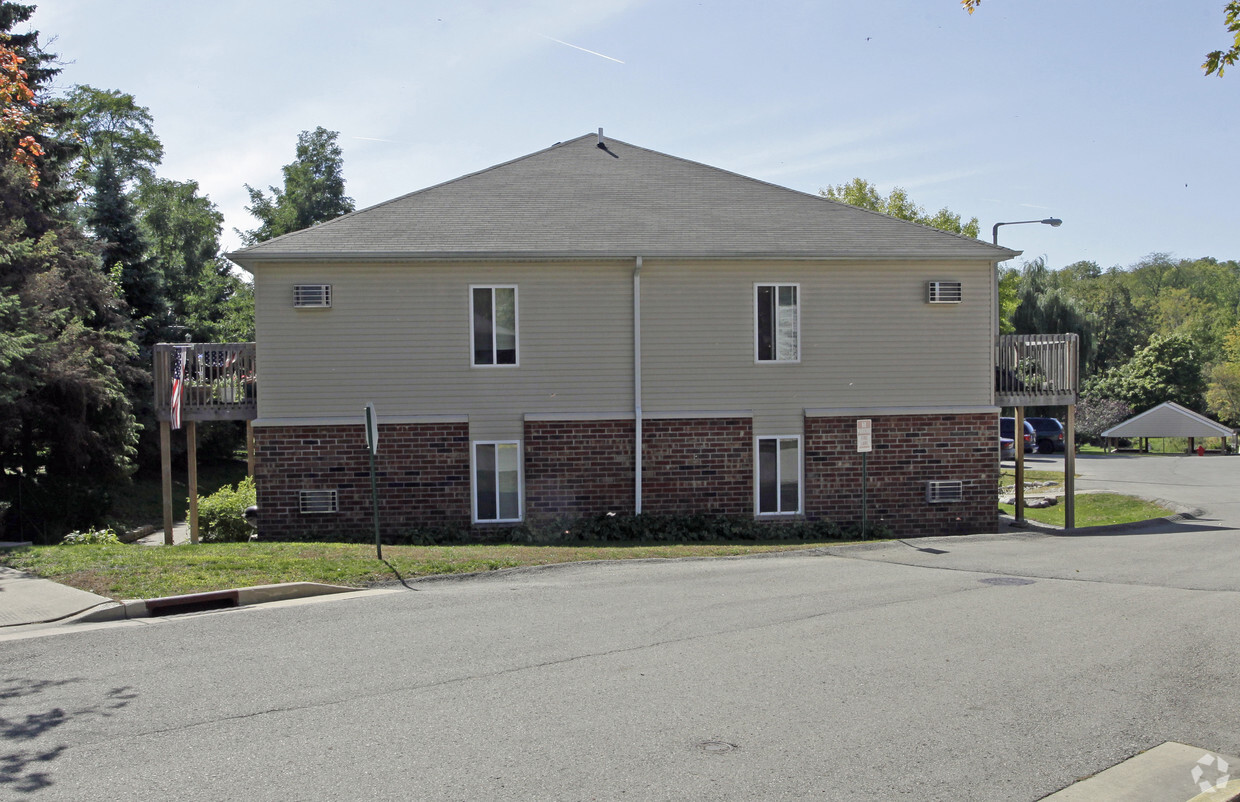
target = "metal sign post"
x: 865, y: 444
x: 372, y: 446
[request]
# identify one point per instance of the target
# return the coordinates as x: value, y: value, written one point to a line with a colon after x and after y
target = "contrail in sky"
x: 582, y: 49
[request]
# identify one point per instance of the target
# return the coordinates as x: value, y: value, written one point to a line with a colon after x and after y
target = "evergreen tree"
x: 66, y: 422
x: 205, y: 297
x: 313, y: 190
x: 123, y: 252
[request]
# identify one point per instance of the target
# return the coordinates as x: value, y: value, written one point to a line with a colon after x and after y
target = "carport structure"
x: 1169, y: 419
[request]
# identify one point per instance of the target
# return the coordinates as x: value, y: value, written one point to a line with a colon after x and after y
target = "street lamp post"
x: 1054, y: 222
x: 1019, y: 414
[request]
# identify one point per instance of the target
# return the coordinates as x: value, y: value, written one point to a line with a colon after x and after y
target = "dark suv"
x: 1049, y: 434
x: 1007, y: 428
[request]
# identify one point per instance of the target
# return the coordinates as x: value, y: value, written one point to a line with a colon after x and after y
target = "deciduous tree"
x: 313, y: 190
x: 1169, y: 368
x: 66, y: 422
x: 862, y: 193
x: 110, y: 123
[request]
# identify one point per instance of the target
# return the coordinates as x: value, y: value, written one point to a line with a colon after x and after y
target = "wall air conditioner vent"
x: 944, y: 292
x: 942, y: 491
x: 312, y: 296
x: 315, y: 502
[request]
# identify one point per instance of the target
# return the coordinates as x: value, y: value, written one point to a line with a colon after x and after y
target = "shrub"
x: 221, y: 515
x: 91, y: 537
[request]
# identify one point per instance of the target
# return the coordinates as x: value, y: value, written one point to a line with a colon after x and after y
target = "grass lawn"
x: 1096, y: 509
x: 144, y: 572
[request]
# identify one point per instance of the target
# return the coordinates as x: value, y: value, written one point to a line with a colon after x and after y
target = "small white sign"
x: 865, y: 442
x: 372, y: 429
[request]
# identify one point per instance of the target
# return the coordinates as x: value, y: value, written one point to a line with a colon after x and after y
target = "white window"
x: 493, y: 327
x: 497, y: 481
x: 779, y: 475
x: 777, y: 315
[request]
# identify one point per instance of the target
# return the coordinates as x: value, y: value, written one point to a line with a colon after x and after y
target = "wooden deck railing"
x: 221, y: 381
x: 1037, y: 370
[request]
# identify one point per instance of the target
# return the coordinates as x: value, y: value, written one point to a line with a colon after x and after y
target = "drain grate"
x: 1006, y: 580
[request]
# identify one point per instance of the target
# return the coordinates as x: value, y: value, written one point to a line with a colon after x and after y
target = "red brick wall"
x: 422, y: 470
x: 908, y: 451
x: 578, y: 468
x: 572, y: 468
x: 698, y: 465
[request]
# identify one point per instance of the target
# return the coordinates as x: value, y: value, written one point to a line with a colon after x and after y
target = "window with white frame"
x: 777, y: 318
x: 497, y: 481
x: 493, y: 329
x: 779, y: 475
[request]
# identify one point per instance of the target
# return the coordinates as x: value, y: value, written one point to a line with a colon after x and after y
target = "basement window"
x: 779, y: 475
x: 497, y: 481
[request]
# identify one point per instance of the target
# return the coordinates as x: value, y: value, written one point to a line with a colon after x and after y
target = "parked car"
x: 1007, y: 428
x: 1049, y: 434
x: 1007, y: 448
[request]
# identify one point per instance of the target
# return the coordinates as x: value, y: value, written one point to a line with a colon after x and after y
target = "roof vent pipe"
x: 601, y: 143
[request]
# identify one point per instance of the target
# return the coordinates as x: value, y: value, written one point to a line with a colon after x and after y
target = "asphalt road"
x: 1002, y: 667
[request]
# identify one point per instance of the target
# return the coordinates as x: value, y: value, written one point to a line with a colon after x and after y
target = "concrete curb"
x: 210, y: 600
x: 1161, y: 773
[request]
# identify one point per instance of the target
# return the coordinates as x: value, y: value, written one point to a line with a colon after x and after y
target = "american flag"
x: 178, y: 386
x: 219, y: 359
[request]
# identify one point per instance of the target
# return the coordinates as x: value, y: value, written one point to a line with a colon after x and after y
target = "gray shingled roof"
x: 575, y: 199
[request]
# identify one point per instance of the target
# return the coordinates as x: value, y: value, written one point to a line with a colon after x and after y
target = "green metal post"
x: 372, y: 446
x: 865, y: 487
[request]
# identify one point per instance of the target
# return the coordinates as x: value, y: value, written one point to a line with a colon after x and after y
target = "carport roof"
x: 1169, y: 419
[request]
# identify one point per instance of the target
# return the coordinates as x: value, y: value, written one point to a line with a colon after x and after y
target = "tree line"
x: 100, y: 259
x: 1163, y: 329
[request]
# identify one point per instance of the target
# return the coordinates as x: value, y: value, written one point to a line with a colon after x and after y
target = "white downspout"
x: 637, y: 386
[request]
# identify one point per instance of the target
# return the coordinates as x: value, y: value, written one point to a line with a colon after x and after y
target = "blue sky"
x: 1097, y: 113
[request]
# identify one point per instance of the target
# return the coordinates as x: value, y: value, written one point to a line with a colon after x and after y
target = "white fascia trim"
x: 355, y: 420
x: 848, y: 412
x: 573, y: 416
x: 706, y: 413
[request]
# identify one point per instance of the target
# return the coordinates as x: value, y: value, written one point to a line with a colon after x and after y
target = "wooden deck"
x: 1037, y: 370
x: 220, y: 381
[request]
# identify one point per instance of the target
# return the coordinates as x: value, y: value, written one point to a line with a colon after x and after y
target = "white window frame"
x: 516, y: 334
x: 757, y: 476
x: 473, y: 482
x: 757, y: 334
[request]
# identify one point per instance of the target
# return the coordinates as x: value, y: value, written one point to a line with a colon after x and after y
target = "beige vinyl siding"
x: 399, y: 335
x: 868, y: 338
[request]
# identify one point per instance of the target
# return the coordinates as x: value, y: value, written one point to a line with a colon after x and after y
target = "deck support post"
x: 191, y: 457
x: 1019, y: 413
x: 165, y: 471
x: 1069, y: 471
x: 249, y: 448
